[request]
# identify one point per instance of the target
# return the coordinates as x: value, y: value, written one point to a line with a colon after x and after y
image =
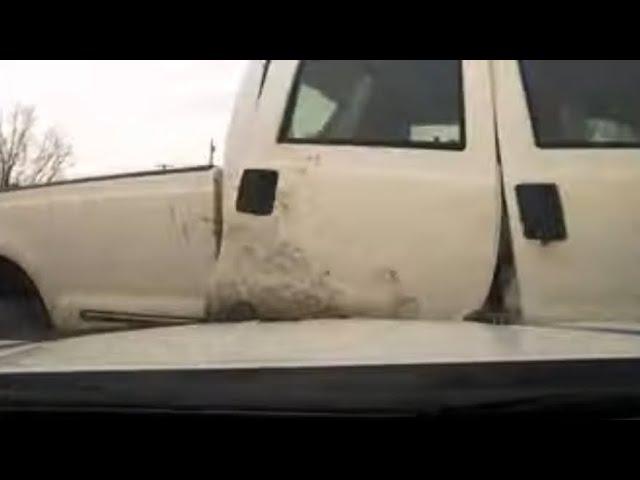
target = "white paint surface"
x: 140, y: 244
x: 360, y: 230
x: 323, y: 342
x: 595, y: 273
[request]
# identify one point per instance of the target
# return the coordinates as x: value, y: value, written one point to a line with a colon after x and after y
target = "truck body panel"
x: 384, y: 190
x: 140, y: 244
x: 594, y: 272
x: 363, y: 230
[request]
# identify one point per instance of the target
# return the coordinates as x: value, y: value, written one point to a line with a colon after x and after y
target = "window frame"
x: 563, y: 145
x: 265, y: 71
x: 287, y: 118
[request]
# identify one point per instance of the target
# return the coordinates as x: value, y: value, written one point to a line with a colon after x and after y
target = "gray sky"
x: 128, y: 115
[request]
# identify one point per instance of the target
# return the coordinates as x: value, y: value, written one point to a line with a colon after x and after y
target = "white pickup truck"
x: 417, y: 189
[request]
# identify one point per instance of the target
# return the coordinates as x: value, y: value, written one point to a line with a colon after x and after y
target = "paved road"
x: 11, y: 347
x: 9, y: 343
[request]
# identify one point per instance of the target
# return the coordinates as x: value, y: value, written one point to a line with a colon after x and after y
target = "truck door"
x: 369, y: 188
x: 569, y: 135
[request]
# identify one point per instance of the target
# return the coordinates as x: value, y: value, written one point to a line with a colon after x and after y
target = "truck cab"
x: 400, y: 189
x: 430, y: 188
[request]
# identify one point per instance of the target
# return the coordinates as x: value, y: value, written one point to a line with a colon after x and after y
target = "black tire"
x: 23, y: 318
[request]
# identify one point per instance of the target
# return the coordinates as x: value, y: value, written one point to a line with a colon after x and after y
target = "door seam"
x: 496, y: 307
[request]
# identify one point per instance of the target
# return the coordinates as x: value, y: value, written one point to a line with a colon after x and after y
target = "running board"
x: 137, y: 318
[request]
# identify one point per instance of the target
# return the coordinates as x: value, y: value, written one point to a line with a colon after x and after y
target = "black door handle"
x: 541, y: 212
x: 257, y: 192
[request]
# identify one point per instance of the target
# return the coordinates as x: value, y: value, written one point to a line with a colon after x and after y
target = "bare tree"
x: 25, y: 157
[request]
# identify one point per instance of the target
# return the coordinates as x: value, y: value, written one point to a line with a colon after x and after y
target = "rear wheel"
x: 23, y: 315
x: 22, y: 318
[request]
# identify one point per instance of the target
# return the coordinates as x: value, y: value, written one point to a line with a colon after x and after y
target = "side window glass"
x: 583, y: 103
x: 397, y: 103
x: 309, y: 121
